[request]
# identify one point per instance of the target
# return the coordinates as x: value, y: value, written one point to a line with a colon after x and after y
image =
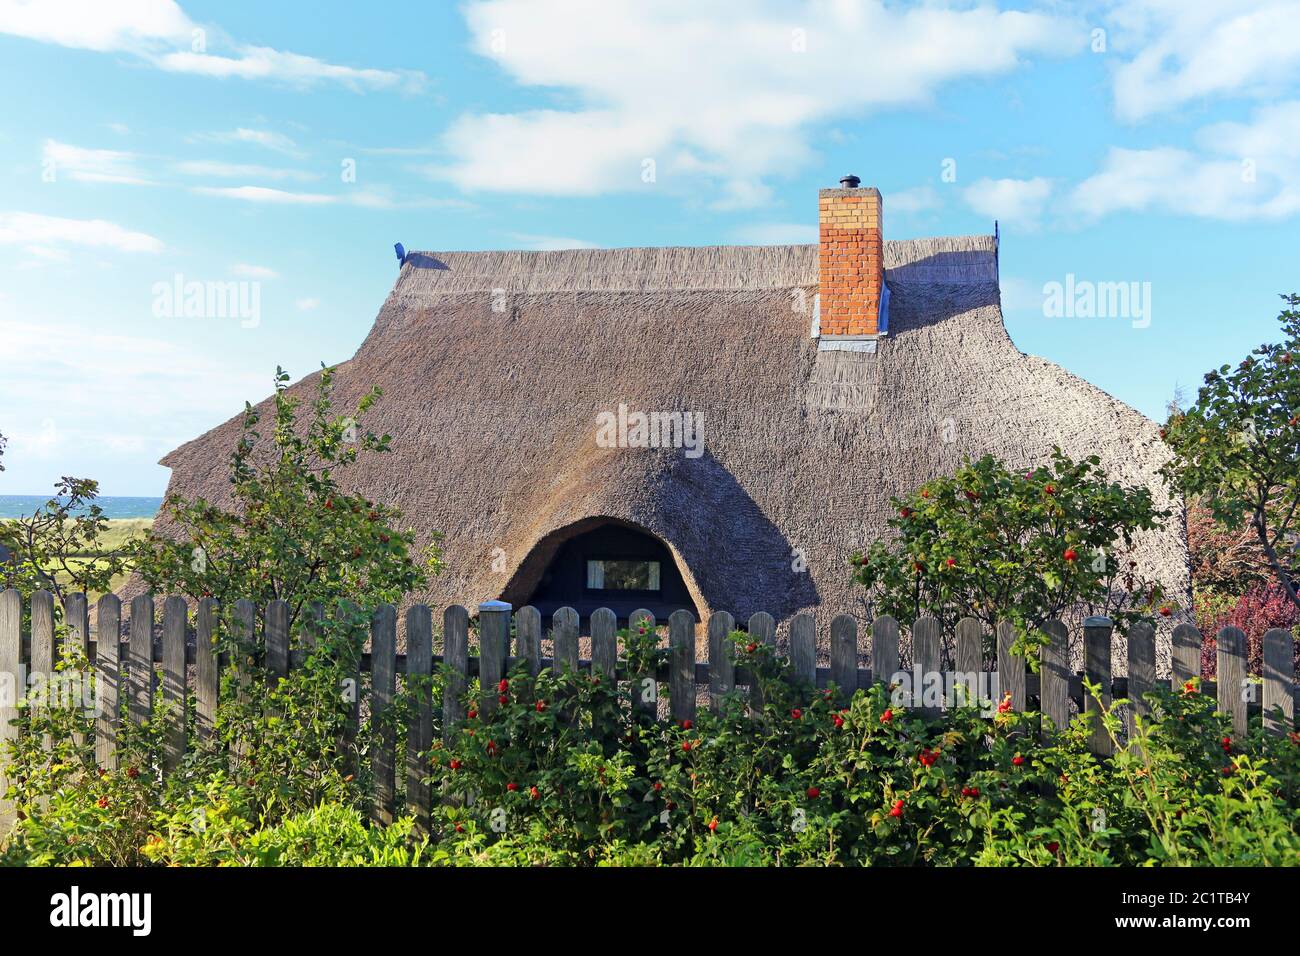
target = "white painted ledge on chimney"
x: 846, y: 343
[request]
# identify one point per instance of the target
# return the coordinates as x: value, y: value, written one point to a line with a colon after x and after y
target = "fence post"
x: 604, y: 646
x: 277, y: 642
x: 1141, y: 672
x: 493, y: 646
x: 1054, y: 681
x: 1279, y: 681
x: 455, y: 650
x: 44, y: 656
x: 419, y: 735
x: 1011, y: 668
x: 528, y: 637
x: 844, y: 655
x: 11, y: 689
x: 564, y: 630
x: 884, y: 649
x: 207, y: 672
x: 245, y: 645
x: 108, y: 679
x: 1096, y: 667
x: 383, y: 686
x: 1186, y: 656
x: 925, y: 662
x: 140, y: 660
x: 76, y: 613
x: 803, y: 648
x: 681, y: 682
x: 645, y: 687
x: 970, y: 656
x: 762, y: 630
x: 175, y: 612
x: 1231, y: 676
x: 722, y: 659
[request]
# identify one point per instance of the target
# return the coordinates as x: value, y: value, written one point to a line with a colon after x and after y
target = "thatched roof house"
x: 813, y: 382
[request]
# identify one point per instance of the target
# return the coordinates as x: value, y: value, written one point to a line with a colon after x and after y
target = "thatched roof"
x: 493, y: 412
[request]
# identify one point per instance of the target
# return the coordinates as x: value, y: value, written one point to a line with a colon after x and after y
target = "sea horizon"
x: 114, y: 506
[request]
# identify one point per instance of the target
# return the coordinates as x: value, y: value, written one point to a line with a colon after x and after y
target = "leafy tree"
x: 1239, y: 447
x: 3, y: 441
x: 293, y: 533
x: 59, y: 548
x: 999, y: 545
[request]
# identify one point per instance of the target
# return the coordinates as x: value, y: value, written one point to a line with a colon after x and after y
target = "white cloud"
x: 222, y: 170
x: 724, y: 92
x: 91, y: 165
x: 255, y: 62
x: 548, y: 243
x: 306, y: 305
x: 365, y: 198
x: 1019, y: 202
x: 130, y: 25
x: 265, y: 194
x: 1242, y: 171
x: 1181, y: 51
x: 776, y: 233
x: 269, y: 139
x: 43, y: 232
x: 248, y: 271
x: 159, y: 32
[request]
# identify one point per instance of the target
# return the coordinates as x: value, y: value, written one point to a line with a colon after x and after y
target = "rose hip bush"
x: 1022, y: 546
x: 566, y: 772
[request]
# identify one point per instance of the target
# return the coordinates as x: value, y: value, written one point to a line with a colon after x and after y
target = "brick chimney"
x: 854, y: 302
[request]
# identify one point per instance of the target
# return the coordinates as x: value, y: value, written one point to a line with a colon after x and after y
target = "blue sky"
x: 1154, y: 141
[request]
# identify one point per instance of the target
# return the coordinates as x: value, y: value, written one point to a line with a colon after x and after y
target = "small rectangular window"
x: 620, y: 575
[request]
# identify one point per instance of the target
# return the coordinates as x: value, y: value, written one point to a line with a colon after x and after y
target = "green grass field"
x: 119, y: 532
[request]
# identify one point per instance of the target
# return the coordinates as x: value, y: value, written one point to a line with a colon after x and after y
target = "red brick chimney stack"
x: 852, y: 260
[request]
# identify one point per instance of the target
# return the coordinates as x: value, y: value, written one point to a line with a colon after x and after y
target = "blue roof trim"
x: 882, y: 325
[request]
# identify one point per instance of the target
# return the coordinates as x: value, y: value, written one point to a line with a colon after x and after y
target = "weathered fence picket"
x: 108, y: 680
x: 645, y: 694
x: 722, y: 657
x: 383, y: 687
x: 1054, y: 677
x: 1279, y: 677
x: 1231, y: 663
x: 925, y: 660
x: 11, y: 657
x: 681, y: 679
x: 844, y: 655
x: 455, y: 643
x: 1096, y: 668
x: 604, y: 644
x: 173, y: 679
x: 139, y: 660
x: 131, y: 683
x: 207, y: 672
x: 419, y: 735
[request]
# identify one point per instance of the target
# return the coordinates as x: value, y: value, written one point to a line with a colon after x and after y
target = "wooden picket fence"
x: 159, y: 667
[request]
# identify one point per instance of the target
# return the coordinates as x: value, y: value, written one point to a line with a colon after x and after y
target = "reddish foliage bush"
x: 1260, y: 609
x: 1224, y: 560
